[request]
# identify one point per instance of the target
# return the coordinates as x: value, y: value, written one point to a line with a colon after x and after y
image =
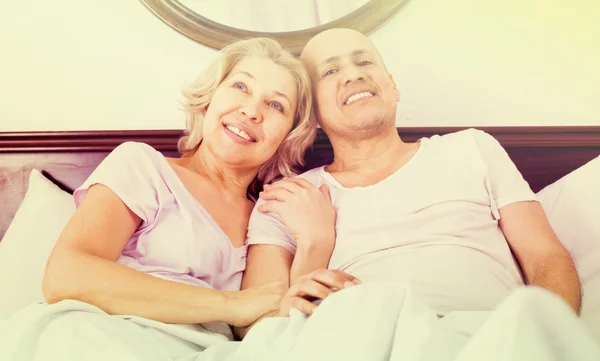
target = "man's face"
x: 352, y: 89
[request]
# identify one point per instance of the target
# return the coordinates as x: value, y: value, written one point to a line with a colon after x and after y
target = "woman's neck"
x: 233, y: 181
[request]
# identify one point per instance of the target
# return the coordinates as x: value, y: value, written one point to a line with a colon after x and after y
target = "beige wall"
x: 111, y: 64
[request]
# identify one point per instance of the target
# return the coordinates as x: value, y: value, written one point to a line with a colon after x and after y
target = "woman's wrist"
x: 225, y: 306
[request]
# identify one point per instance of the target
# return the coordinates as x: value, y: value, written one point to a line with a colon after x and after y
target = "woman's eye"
x: 277, y: 106
x: 240, y: 86
x: 329, y: 72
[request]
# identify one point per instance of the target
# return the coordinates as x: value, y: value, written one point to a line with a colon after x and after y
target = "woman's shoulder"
x: 133, y: 162
x: 134, y: 149
x: 135, y: 155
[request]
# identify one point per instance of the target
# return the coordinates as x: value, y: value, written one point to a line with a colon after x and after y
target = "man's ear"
x: 396, y: 91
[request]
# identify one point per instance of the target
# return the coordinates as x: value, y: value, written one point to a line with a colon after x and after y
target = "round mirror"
x: 216, y: 23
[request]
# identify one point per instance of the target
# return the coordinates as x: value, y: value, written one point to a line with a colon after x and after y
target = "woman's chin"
x: 237, y: 159
x: 234, y: 156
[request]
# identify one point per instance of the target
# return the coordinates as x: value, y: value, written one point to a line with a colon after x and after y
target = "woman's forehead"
x: 272, y: 77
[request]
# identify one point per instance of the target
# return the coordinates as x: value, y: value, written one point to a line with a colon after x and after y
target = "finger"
x: 277, y: 194
x: 300, y: 182
x: 288, y: 185
x: 314, y: 289
x: 276, y: 182
x: 303, y: 305
x: 332, y: 279
x: 270, y: 207
x: 325, y: 191
x: 347, y: 276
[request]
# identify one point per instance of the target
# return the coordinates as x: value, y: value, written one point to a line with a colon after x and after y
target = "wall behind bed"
x: 110, y: 64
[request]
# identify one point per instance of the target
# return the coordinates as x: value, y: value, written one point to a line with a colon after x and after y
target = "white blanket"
x: 77, y: 331
x: 385, y: 322
x: 367, y: 322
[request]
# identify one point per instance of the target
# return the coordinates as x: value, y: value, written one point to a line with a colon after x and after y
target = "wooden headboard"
x: 542, y: 154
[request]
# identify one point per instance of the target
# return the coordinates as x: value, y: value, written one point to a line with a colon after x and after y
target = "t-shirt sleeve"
x: 268, y: 228
x: 506, y: 183
x: 128, y: 171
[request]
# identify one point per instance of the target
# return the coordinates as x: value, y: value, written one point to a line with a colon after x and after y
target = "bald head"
x: 332, y: 43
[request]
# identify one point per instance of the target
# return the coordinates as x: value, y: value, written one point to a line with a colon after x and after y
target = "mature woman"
x: 162, y: 240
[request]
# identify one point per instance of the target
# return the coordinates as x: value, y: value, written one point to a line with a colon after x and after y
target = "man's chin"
x: 371, y: 122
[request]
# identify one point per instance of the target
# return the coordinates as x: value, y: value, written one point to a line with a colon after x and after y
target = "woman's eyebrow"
x: 245, y: 73
x: 276, y: 92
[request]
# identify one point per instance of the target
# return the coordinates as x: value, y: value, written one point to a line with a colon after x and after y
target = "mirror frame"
x: 365, y: 19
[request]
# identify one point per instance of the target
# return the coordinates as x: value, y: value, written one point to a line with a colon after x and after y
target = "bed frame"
x: 542, y: 154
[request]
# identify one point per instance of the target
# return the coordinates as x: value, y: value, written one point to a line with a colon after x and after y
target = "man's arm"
x: 543, y: 259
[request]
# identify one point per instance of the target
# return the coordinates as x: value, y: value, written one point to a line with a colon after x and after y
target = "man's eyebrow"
x: 277, y: 92
x: 336, y: 58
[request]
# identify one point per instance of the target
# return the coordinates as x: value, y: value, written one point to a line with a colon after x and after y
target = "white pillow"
x: 24, y: 250
x: 572, y: 205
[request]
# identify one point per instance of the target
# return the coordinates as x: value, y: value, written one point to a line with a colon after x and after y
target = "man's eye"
x: 364, y: 62
x: 277, y: 106
x: 240, y: 86
x: 329, y: 72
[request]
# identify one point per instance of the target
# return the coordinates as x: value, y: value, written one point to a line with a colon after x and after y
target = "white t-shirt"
x: 433, y: 224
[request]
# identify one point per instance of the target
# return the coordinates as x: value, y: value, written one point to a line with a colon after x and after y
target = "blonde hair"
x: 198, y: 95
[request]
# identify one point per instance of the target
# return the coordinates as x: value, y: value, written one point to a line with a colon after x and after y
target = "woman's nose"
x: 251, y: 111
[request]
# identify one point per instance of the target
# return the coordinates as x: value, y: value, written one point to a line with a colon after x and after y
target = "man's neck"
x: 367, y: 155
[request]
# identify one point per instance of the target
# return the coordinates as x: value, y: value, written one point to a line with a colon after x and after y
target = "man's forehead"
x: 337, y: 57
x: 336, y: 44
x: 321, y: 57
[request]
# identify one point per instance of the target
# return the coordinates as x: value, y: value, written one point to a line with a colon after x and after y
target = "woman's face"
x: 250, y: 113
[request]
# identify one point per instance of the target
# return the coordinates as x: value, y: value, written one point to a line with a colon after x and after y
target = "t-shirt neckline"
x: 332, y: 180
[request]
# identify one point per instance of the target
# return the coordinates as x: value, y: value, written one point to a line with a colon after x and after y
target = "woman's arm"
x: 265, y: 263
x: 309, y: 217
x: 311, y: 255
x: 83, y: 267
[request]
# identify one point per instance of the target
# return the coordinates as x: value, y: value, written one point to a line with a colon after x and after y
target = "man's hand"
x: 316, y: 285
x: 304, y: 209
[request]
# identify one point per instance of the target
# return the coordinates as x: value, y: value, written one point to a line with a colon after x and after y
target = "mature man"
x: 450, y: 216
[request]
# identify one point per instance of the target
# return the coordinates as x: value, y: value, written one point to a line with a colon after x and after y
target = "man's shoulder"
x: 468, y: 139
x: 314, y: 176
x: 464, y: 134
x: 463, y: 146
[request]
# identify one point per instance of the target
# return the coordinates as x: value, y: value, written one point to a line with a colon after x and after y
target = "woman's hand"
x: 245, y: 307
x: 316, y: 285
x: 305, y: 210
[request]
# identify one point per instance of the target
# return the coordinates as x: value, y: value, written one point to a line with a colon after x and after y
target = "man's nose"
x: 353, y: 74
